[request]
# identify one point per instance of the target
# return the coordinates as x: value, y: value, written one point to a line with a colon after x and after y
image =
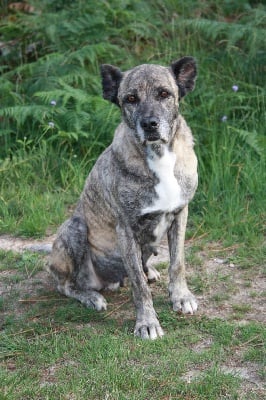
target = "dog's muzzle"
x: 150, y: 126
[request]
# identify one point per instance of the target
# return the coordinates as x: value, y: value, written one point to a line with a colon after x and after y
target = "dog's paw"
x: 96, y: 301
x: 186, y: 305
x: 148, y: 330
x: 90, y: 298
x: 153, y: 275
x: 184, y: 302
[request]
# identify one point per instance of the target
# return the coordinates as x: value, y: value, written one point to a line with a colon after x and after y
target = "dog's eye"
x: 131, y: 98
x: 164, y: 94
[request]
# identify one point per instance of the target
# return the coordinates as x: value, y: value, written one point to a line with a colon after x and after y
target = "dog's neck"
x: 155, y: 149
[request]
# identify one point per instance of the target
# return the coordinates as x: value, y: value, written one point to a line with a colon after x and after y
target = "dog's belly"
x: 109, y: 267
x: 105, y: 255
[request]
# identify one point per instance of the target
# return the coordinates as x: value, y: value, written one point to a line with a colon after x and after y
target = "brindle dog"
x: 137, y: 192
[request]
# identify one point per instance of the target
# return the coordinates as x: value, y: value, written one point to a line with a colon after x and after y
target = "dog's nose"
x: 149, y: 124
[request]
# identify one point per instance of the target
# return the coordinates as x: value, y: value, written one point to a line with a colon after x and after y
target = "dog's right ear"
x: 111, y: 78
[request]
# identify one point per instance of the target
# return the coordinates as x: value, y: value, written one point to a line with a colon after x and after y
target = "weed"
x: 241, y: 308
x: 161, y: 266
x: 221, y: 296
x: 200, y: 282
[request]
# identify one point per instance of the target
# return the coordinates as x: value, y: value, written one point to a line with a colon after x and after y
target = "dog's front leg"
x: 147, y: 324
x: 183, y: 300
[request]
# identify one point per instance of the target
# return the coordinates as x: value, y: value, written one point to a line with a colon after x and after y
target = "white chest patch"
x: 168, y: 190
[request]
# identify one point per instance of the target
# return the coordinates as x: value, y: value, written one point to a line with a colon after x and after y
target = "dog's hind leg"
x: 90, y: 298
x: 152, y: 274
x: 71, y: 265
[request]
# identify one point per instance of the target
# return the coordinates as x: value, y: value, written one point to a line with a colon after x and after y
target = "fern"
x: 250, y: 139
x: 90, y: 54
x: 249, y: 36
x: 22, y: 113
x: 66, y: 94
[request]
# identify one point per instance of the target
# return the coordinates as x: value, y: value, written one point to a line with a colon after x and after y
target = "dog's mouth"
x: 153, y: 139
x: 152, y: 136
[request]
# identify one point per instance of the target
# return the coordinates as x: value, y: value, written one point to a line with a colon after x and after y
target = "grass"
x: 54, y: 348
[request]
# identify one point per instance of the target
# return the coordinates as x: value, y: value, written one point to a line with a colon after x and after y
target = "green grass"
x: 51, y: 347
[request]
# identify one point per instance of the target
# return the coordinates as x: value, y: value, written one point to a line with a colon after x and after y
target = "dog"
x: 137, y: 192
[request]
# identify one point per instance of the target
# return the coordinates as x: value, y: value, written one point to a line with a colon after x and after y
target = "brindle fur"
x: 123, y: 211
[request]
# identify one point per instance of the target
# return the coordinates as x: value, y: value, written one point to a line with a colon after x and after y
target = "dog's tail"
x: 18, y: 245
x: 39, y: 248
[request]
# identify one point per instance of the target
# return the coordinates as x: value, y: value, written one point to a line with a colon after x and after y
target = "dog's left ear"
x: 111, y: 78
x: 185, y: 72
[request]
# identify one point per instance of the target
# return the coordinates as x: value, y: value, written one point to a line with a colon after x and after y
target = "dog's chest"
x: 168, y: 191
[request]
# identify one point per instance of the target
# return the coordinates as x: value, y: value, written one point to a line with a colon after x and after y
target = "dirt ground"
x: 224, y: 291
x: 218, y: 276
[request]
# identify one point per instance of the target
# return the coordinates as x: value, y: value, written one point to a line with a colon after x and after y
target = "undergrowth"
x: 54, y: 122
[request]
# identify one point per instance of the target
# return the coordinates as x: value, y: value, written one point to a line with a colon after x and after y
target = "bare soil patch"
x: 228, y: 290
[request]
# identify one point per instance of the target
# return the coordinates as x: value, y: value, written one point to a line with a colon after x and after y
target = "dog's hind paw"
x: 89, y: 298
x: 96, y: 301
x: 153, y: 275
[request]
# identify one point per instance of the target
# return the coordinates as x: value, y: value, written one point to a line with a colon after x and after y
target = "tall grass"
x: 54, y: 122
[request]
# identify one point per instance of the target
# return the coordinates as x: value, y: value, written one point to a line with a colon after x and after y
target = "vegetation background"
x: 54, y: 124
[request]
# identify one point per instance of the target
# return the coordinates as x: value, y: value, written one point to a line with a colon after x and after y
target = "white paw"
x: 148, y: 328
x: 96, y: 301
x: 153, y: 274
x: 113, y: 286
x: 186, y: 305
x: 90, y: 298
x: 183, y: 301
x: 148, y: 331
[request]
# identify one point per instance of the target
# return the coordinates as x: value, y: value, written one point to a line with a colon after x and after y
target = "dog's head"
x: 149, y: 96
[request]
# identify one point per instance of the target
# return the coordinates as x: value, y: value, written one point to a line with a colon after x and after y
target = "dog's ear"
x: 185, y: 72
x: 111, y: 78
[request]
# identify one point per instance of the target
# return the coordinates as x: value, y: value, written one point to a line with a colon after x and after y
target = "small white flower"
x: 51, y: 124
x: 224, y: 118
x: 53, y: 103
x: 235, y: 88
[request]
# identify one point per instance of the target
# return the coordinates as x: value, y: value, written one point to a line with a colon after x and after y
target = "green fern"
x: 249, y: 138
x: 22, y: 113
x: 249, y: 35
x: 66, y: 94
